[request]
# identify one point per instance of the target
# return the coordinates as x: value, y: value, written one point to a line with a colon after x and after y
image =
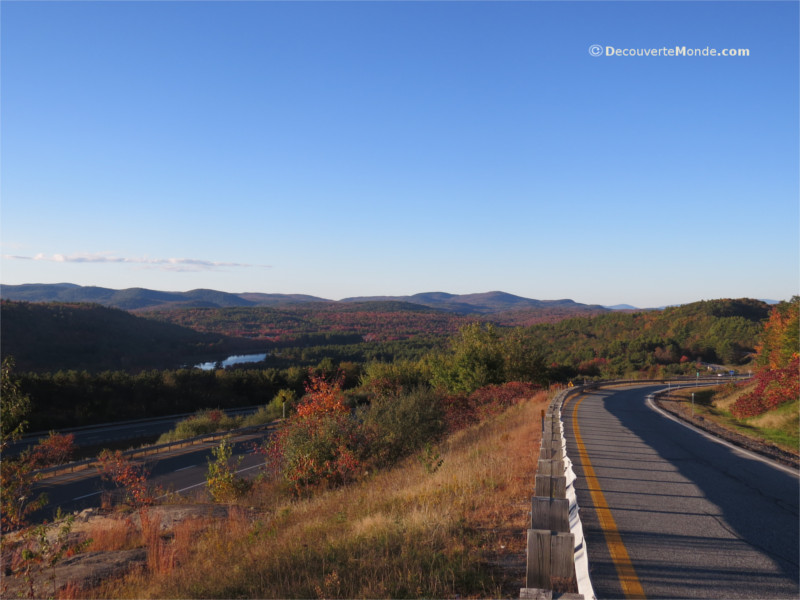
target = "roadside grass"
x: 416, y: 530
x: 780, y: 427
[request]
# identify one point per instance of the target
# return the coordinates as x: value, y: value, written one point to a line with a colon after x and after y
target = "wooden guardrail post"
x: 549, y: 486
x: 550, y: 556
x: 550, y: 513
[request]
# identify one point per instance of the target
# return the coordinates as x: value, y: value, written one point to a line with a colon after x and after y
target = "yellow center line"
x: 631, y: 586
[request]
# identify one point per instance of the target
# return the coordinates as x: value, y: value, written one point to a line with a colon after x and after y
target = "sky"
x: 346, y: 149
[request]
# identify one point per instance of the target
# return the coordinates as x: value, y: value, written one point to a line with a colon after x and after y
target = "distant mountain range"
x: 145, y: 299
x: 486, y: 303
x: 142, y: 298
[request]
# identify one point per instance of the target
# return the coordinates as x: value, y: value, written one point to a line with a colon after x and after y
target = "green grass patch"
x: 780, y: 427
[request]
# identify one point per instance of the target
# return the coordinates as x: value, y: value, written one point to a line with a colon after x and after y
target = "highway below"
x: 96, y: 436
x: 180, y: 470
x: 669, y: 513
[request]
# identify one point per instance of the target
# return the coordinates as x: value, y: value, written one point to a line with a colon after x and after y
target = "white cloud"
x: 166, y: 264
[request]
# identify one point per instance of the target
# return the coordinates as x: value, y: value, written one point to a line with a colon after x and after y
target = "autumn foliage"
x: 56, y: 449
x: 778, y: 374
x: 129, y: 477
x: 773, y: 388
x: 320, y: 443
x: 323, y: 397
x: 463, y: 410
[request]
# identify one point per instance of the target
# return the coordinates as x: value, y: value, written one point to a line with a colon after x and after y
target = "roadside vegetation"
x: 446, y: 520
x: 766, y: 408
x: 208, y: 421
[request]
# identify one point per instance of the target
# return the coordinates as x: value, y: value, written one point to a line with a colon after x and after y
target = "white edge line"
x: 714, y: 438
x: 87, y: 496
x: 204, y: 482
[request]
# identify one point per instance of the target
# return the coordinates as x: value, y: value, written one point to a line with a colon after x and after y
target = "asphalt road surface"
x: 181, y: 470
x: 112, y: 433
x: 670, y: 513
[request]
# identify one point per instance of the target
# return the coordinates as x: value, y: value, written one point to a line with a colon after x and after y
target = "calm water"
x: 232, y: 360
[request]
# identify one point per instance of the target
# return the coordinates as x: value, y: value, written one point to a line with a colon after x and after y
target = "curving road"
x: 669, y: 513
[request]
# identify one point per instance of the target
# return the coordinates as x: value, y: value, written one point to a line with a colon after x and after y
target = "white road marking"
x: 87, y: 495
x: 191, y: 487
x: 714, y: 438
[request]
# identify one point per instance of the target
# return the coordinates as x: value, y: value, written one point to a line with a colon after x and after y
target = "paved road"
x: 695, y: 519
x: 112, y: 433
x: 182, y: 470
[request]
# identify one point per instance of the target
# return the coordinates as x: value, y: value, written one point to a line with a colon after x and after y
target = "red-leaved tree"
x: 321, y: 443
x: 778, y: 374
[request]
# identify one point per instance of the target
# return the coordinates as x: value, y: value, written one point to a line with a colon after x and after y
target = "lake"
x: 237, y: 359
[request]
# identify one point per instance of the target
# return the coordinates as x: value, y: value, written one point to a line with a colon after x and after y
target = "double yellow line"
x: 631, y: 586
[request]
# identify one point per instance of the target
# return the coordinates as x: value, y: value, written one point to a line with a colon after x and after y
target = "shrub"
x: 773, y: 388
x: 265, y: 414
x: 462, y: 410
x: 131, y: 478
x: 55, y: 449
x: 203, y: 422
x: 222, y: 481
x: 321, y: 443
x: 402, y: 423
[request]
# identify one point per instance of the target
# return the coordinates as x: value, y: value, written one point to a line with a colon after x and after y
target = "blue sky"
x: 371, y: 148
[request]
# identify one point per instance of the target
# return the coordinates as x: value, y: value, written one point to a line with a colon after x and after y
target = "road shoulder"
x: 680, y: 411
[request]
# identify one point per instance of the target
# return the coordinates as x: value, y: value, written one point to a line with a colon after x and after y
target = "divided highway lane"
x: 182, y: 470
x: 110, y: 433
x: 669, y: 513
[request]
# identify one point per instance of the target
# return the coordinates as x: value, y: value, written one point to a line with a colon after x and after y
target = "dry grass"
x: 774, y: 420
x: 725, y: 400
x: 111, y: 535
x: 459, y: 531
x: 71, y: 591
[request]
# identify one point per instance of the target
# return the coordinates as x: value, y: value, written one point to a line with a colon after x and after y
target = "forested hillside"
x: 486, y: 304
x: 372, y: 321
x: 379, y: 341
x: 616, y: 344
x: 53, y: 336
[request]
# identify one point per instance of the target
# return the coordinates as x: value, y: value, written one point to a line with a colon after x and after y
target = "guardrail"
x: 556, y: 554
x: 557, y: 560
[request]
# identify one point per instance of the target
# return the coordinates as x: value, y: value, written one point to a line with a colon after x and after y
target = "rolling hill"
x: 485, y: 303
x: 144, y: 299
x: 54, y: 336
x: 141, y: 298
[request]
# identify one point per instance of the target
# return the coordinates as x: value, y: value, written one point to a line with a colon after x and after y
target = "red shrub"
x: 773, y: 388
x: 56, y: 449
x: 461, y: 411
